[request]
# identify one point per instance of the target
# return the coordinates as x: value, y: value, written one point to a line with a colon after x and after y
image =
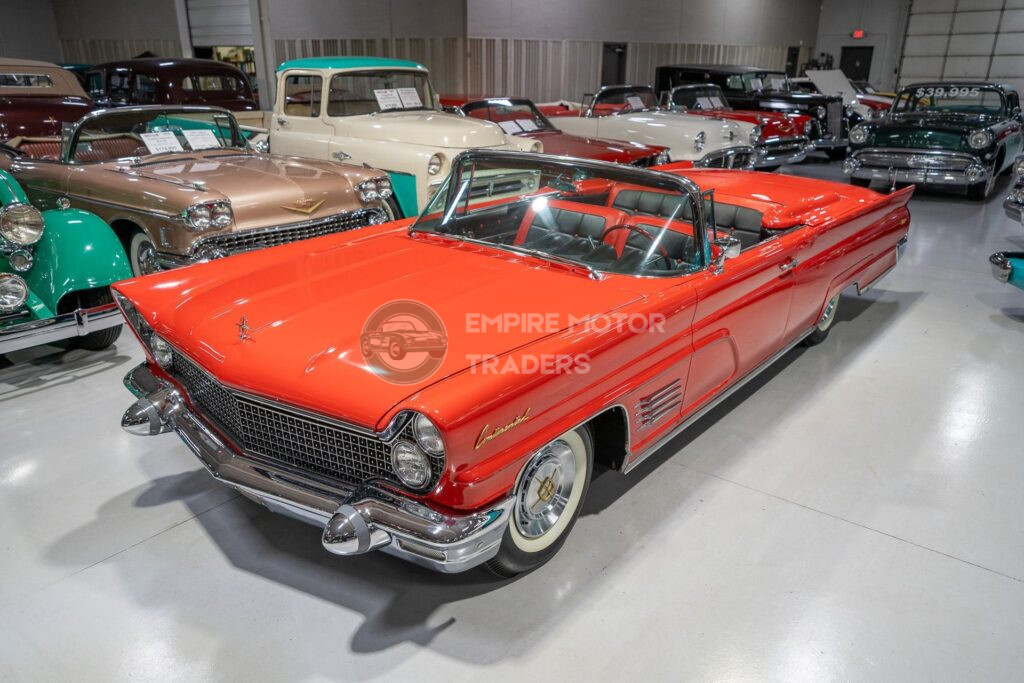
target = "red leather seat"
x: 41, y: 150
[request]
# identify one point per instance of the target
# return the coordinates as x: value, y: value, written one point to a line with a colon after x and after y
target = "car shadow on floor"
x: 455, y: 614
x: 43, y: 368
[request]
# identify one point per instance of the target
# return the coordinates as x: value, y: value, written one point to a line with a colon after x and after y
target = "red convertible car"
x: 785, y: 138
x: 520, y: 116
x: 591, y: 311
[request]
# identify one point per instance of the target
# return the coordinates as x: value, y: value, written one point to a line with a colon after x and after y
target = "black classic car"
x: 748, y: 87
x: 961, y: 134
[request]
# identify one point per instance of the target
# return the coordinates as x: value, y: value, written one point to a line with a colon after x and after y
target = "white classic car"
x: 380, y: 112
x: 631, y: 113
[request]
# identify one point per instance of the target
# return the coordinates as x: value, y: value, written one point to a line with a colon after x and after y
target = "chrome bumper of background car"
x: 928, y: 167
x: 776, y: 152
x: 354, y: 521
x: 829, y: 143
x: 78, y: 323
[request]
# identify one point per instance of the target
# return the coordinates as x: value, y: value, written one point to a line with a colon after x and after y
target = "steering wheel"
x: 644, y: 233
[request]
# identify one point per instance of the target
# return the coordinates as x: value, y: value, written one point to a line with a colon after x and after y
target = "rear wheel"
x: 548, y: 497
x: 142, y: 253
x: 101, y: 339
x: 860, y: 182
x: 824, y: 325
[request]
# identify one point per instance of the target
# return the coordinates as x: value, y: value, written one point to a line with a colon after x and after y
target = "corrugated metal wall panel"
x: 99, y: 51
x: 219, y: 22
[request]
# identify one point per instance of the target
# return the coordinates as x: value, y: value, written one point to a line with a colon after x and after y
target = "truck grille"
x: 306, y: 443
x: 261, y: 238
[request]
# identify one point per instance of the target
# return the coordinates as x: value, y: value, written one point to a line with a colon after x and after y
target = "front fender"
x: 78, y: 251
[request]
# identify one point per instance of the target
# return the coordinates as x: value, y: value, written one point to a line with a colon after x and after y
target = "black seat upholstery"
x: 554, y: 227
x: 738, y: 221
x: 638, y: 252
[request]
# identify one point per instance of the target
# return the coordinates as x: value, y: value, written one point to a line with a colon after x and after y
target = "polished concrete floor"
x: 856, y: 513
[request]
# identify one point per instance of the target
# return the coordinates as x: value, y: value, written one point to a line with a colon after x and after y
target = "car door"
x: 741, y: 316
x: 299, y: 126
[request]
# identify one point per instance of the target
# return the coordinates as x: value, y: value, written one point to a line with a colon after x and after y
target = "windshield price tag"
x: 965, y: 92
x: 410, y: 98
x: 201, y: 139
x: 526, y: 124
x: 162, y: 142
x: 510, y: 127
x: 716, y: 102
x: 635, y: 102
x: 704, y: 103
x: 388, y: 99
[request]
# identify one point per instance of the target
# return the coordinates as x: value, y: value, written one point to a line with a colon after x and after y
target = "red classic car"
x: 38, y: 98
x: 591, y: 311
x: 520, y: 116
x: 785, y: 138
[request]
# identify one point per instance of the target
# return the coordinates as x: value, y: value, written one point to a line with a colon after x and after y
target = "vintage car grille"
x: 261, y: 238
x: 835, y: 119
x: 911, y: 159
x: 291, y: 437
x: 784, y: 146
x: 734, y: 157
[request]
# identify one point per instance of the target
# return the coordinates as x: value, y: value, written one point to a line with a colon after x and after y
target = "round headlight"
x: 21, y: 224
x: 13, y: 292
x: 858, y: 135
x: 199, y: 216
x: 161, y: 351
x: 410, y: 464
x: 21, y: 260
x: 368, y: 190
x: 1018, y: 169
x: 819, y: 112
x: 435, y: 164
x: 755, y: 135
x: 428, y: 436
x: 979, y: 139
x: 220, y: 215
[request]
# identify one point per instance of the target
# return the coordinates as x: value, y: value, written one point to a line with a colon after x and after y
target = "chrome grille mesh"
x: 835, y: 119
x: 261, y: 238
x: 291, y: 437
x: 894, y: 159
x: 727, y: 159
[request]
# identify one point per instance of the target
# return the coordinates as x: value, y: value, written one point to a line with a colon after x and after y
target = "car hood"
x: 305, y: 306
x: 931, y: 132
x: 772, y: 124
x: 427, y: 128
x: 678, y: 131
x: 263, y: 189
x: 564, y: 144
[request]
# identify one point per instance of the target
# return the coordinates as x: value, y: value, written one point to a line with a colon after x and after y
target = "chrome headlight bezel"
x: 21, y: 224
x: 819, y: 112
x: 214, y: 215
x: 11, y: 284
x: 374, y: 189
x: 435, y: 164
x: 427, y: 435
x: 410, y: 464
x: 859, y: 135
x: 979, y: 139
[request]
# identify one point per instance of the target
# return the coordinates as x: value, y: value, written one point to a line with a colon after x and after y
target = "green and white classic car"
x: 56, y: 268
x: 962, y: 134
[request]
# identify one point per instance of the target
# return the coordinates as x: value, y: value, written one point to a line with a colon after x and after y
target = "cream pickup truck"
x: 380, y: 112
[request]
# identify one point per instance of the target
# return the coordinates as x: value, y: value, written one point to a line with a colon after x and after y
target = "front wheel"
x: 101, y: 339
x: 548, y: 496
x: 142, y: 253
x: 824, y: 324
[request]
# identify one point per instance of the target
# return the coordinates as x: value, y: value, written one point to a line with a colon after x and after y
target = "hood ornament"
x: 243, y: 329
x: 305, y: 206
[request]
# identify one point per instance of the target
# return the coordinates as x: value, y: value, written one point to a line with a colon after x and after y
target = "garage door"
x: 964, y: 39
x: 219, y: 22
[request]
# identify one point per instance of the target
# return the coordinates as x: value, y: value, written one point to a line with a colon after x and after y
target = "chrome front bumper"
x: 829, y: 143
x: 354, y: 521
x: 78, y: 323
x: 927, y: 167
x: 777, y: 152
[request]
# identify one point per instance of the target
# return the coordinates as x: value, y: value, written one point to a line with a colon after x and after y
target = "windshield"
x: 516, y: 117
x: 125, y: 133
x: 623, y: 100
x: 369, y: 92
x: 587, y: 215
x: 756, y: 81
x: 950, y: 99
x: 699, y: 97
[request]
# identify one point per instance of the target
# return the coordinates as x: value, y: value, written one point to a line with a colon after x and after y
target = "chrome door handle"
x: 789, y: 265
x: 282, y: 121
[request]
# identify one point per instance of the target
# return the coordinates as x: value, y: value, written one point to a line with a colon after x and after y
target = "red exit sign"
x: 858, y: 33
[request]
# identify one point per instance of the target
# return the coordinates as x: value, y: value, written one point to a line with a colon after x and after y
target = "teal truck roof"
x: 349, y: 63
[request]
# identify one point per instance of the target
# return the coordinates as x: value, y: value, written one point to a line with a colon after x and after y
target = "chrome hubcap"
x: 829, y: 314
x: 147, y: 259
x: 545, y: 490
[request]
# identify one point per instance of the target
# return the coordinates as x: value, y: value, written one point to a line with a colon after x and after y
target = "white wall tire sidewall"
x: 138, y: 239
x: 546, y: 540
x: 831, y: 321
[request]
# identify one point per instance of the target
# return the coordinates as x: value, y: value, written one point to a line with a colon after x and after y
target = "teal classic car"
x: 961, y: 134
x: 56, y: 268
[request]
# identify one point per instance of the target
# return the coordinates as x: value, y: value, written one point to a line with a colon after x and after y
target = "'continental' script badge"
x: 487, y: 434
x: 305, y: 206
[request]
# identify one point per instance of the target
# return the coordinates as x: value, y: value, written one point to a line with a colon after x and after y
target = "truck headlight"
x: 21, y: 224
x: 699, y: 140
x: 858, y: 135
x: 13, y: 292
x: 428, y: 436
x: 435, y: 164
x: 200, y: 217
x: 411, y: 465
x: 979, y: 139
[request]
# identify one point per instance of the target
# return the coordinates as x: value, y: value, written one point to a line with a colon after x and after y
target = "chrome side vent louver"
x: 660, y: 404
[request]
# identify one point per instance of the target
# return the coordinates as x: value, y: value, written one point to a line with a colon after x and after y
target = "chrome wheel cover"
x: 147, y: 259
x: 829, y: 315
x: 545, y: 489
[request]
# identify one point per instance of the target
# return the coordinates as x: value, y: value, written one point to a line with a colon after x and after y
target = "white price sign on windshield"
x: 388, y: 99
x: 159, y: 143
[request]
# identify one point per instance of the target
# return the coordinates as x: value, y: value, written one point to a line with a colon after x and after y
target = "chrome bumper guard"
x: 354, y: 521
x: 927, y: 167
x: 1002, y: 269
x: 78, y: 323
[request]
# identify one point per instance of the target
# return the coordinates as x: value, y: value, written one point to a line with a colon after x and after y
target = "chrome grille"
x: 909, y: 159
x: 728, y: 158
x: 784, y: 146
x: 261, y: 238
x: 289, y: 436
x: 835, y: 119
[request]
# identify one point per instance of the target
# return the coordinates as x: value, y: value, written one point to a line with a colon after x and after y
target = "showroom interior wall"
x: 549, y: 50
x: 883, y: 23
x: 42, y: 42
x: 95, y: 31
